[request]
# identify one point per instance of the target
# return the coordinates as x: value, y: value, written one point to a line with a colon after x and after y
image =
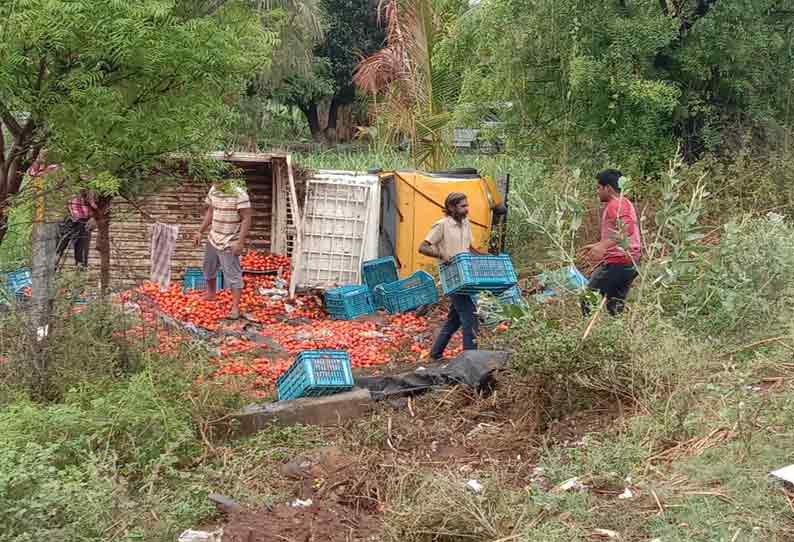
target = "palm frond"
x: 413, y: 96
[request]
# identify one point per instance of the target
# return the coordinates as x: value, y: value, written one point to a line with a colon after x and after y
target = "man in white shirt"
x: 447, y: 238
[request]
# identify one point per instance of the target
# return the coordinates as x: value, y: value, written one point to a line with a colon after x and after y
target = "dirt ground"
x: 454, y: 430
x: 327, y: 522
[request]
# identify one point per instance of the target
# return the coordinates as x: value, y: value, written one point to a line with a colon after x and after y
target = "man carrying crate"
x: 447, y: 238
x: 228, y: 219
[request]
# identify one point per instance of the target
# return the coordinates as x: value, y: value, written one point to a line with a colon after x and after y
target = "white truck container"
x: 339, y: 228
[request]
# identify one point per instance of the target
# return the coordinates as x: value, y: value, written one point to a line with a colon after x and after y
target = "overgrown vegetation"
x: 686, y: 400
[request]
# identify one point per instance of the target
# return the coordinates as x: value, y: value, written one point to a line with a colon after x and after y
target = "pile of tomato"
x: 290, y: 326
x: 261, y: 261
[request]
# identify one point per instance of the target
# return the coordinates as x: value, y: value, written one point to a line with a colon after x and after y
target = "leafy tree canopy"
x: 110, y: 86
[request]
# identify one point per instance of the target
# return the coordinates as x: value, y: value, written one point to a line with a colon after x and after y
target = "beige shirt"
x: 450, y: 237
x: 226, y: 220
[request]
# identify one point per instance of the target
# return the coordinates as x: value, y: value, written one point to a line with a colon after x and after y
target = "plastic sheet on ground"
x: 473, y: 368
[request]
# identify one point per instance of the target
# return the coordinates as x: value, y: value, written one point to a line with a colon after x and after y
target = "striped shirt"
x: 225, y: 228
x: 79, y: 207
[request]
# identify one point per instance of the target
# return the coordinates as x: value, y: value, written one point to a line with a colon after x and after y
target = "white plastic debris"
x: 606, y: 533
x: 298, y: 503
x: 373, y: 335
x: 627, y: 494
x: 201, y: 536
x: 786, y: 474
x: 273, y: 292
x: 568, y: 485
x: 474, y: 485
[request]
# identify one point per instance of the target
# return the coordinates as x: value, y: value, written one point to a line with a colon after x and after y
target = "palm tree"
x: 410, y: 97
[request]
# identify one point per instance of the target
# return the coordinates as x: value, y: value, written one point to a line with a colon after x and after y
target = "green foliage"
x: 414, y: 95
x: 353, y: 33
x: 114, y: 86
x: 625, y: 78
x: 15, y: 249
x: 43, y: 499
x: 306, y: 90
x: 746, y: 282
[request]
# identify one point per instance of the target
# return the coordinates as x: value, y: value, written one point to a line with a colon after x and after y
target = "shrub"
x: 745, y: 284
x: 43, y: 499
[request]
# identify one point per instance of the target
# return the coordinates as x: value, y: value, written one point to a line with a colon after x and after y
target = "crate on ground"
x: 315, y: 373
x: 512, y: 296
x: 469, y: 273
x: 374, y: 272
x: 406, y: 294
x: 565, y: 279
x: 348, y: 302
x: 193, y: 279
x: 16, y: 281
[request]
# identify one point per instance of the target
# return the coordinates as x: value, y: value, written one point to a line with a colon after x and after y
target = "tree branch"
x: 2, y: 145
x: 42, y: 73
x: 11, y: 122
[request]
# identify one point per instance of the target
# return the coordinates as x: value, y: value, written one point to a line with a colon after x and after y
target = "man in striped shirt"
x: 75, y: 229
x: 228, y: 219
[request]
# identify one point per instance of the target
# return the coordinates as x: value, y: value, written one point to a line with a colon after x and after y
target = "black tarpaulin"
x: 473, y: 368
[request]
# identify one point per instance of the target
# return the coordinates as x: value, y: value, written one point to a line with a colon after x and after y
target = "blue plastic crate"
x: 15, y: 281
x: 193, y: 279
x: 315, y: 373
x: 374, y: 272
x: 512, y: 296
x: 469, y: 273
x: 565, y: 279
x: 348, y: 302
x: 407, y: 294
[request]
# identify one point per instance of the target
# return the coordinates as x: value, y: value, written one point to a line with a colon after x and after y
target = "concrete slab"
x: 328, y: 410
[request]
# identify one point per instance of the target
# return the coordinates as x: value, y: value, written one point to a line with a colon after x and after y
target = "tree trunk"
x: 313, y: 117
x: 102, y: 218
x: 3, y: 219
x: 333, y: 112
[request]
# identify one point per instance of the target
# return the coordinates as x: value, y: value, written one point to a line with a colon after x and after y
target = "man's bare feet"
x: 234, y: 314
x: 209, y: 296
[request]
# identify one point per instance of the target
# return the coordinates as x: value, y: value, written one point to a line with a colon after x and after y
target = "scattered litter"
x: 273, y: 292
x: 627, y: 494
x: 201, y: 536
x: 605, y: 533
x: 480, y: 427
x: 474, y: 485
x: 298, y: 503
x: 786, y: 474
x: 373, y: 335
x: 568, y: 485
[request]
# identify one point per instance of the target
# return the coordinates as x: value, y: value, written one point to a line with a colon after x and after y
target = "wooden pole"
x: 42, y: 296
x: 594, y: 318
x: 296, y: 255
